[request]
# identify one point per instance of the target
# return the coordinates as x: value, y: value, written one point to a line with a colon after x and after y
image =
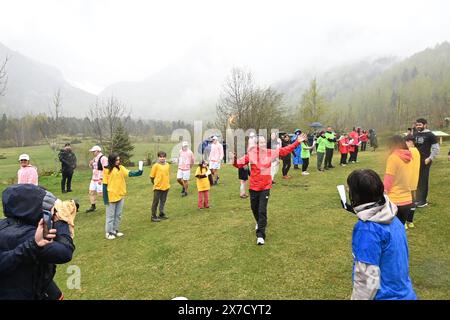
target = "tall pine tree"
x: 121, y: 144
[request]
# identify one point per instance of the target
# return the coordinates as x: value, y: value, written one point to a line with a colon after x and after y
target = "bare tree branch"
x: 3, y: 76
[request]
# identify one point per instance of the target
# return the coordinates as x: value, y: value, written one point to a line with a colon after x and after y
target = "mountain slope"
x: 32, y: 85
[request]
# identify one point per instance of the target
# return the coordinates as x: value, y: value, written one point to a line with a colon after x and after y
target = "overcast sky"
x: 98, y: 42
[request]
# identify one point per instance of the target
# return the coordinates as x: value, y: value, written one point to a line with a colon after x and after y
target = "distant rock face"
x: 31, y: 86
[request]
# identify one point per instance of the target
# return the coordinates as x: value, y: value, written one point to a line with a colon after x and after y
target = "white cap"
x: 95, y: 148
x: 215, y: 138
x: 24, y: 157
x: 185, y: 144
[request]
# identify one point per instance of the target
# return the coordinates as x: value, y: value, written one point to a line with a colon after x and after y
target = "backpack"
x: 99, y: 163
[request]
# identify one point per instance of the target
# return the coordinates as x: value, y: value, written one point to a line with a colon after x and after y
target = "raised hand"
x: 39, y: 235
x: 302, y: 137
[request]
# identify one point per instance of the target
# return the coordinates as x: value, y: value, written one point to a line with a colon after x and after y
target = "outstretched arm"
x: 135, y: 173
x: 288, y: 149
x: 241, y: 162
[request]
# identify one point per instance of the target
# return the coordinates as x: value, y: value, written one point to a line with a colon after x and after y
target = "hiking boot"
x: 91, y: 209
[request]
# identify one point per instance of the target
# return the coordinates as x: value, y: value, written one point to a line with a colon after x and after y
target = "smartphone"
x: 341, y: 191
x: 48, y: 222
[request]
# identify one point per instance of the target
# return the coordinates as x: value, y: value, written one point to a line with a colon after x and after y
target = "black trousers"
x: 258, y: 201
x: 286, y: 166
x: 404, y: 212
x: 353, y: 155
x: 66, y: 180
x: 422, y: 187
x: 328, y: 157
x: 343, y: 158
x: 413, y: 208
x: 305, y: 164
x: 363, y: 146
x: 159, y: 196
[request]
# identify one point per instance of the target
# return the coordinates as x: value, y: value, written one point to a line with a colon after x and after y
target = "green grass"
x: 213, y: 254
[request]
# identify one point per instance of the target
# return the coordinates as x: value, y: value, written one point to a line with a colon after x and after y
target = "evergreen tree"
x: 121, y: 144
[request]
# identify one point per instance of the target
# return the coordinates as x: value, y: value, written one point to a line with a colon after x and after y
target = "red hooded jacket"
x: 260, y: 162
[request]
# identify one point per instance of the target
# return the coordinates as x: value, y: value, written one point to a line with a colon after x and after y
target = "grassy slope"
x: 212, y: 254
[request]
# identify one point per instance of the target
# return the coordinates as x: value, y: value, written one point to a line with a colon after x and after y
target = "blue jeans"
x: 113, y: 216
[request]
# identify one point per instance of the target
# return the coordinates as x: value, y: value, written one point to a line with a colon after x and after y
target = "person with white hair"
x: 215, y: 159
x: 27, y: 173
x: 98, y: 163
x: 185, y: 162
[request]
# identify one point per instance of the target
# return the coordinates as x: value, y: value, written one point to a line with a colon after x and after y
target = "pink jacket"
x: 27, y: 175
x: 185, y: 160
x: 216, y: 154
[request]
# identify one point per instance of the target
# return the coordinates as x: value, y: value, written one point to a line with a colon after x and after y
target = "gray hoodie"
x: 383, y: 214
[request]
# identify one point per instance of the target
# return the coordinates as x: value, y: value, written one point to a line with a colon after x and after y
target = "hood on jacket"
x: 377, y: 212
x: 26, y: 202
x: 405, y: 155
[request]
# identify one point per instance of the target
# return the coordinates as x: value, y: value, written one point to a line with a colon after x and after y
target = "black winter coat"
x: 26, y: 270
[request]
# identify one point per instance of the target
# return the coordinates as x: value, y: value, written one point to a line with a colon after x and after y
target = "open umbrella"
x: 316, y: 125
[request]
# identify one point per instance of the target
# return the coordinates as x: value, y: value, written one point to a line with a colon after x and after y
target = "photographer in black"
x: 68, y: 164
x: 28, y: 256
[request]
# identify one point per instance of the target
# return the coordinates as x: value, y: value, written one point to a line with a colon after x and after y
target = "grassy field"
x: 213, y: 254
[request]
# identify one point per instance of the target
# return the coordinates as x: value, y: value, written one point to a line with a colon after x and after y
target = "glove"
x: 347, y: 207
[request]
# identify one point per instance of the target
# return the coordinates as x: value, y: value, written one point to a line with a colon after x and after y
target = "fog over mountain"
x: 188, y: 89
x: 168, y: 59
x: 31, y: 86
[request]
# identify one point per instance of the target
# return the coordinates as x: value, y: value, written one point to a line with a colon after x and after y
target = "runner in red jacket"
x: 260, y: 159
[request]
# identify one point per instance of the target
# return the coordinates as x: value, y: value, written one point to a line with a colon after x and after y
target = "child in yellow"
x: 203, y: 185
x: 114, y: 191
x: 397, y: 178
x: 159, y: 176
x: 414, y: 178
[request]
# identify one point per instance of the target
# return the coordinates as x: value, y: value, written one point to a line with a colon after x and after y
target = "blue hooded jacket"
x: 26, y: 270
